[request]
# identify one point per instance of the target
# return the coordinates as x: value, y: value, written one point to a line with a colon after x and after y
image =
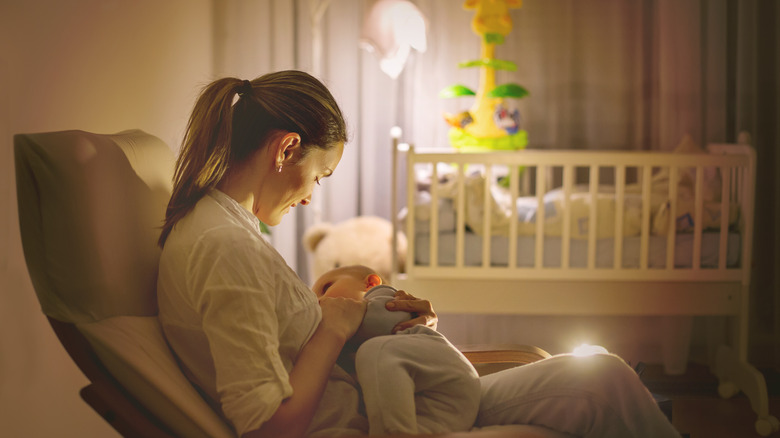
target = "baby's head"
x: 347, y: 282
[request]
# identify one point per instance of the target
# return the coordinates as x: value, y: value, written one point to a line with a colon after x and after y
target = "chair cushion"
x: 90, y: 211
x: 134, y: 351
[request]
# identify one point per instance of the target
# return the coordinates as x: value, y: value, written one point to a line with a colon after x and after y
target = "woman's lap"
x: 597, y: 396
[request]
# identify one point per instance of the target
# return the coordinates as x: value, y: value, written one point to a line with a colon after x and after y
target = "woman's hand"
x: 421, y: 310
x: 342, y: 316
x: 309, y: 376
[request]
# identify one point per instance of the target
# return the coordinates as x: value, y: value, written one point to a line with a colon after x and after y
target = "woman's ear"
x: 373, y: 280
x: 286, y: 148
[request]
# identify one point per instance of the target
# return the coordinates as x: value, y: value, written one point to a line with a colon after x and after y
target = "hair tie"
x: 245, y: 88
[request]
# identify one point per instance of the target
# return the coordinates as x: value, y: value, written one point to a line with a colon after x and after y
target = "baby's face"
x: 342, y: 282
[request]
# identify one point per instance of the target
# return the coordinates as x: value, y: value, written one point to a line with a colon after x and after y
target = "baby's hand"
x: 342, y: 316
x: 421, y: 310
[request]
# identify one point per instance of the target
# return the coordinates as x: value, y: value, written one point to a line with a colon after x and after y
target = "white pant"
x: 593, y: 396
x: 416, y: 382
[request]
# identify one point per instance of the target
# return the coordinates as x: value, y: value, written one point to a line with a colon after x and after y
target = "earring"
x: 279, y: 168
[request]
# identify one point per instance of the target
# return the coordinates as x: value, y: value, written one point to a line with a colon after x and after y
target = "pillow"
x: 686, y: 190
x: 685, y: 214
x: 90, y: 209
x: 422, y: 213
x: 579, y: 208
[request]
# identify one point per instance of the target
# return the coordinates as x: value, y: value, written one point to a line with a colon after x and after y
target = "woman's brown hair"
x: 221, y: 134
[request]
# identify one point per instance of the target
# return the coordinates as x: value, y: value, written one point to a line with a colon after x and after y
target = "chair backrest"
x: 90, y: 211
x: 90, y: 208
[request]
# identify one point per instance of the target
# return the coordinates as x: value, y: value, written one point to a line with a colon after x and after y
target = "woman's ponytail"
x: 204, y: 156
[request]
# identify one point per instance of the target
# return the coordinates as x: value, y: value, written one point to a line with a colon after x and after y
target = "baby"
x: 414, y: 381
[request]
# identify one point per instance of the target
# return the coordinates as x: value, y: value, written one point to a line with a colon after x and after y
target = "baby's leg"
x: 416, y: 382
x: 595, y: 396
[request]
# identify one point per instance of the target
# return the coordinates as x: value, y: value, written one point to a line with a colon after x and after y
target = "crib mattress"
x: 499, y: 251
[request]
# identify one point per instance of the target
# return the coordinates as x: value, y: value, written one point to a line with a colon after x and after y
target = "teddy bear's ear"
x: 314, y: 235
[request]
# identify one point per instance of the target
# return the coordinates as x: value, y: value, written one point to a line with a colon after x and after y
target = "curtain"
x: 756, y: 99
x: 602, y: 74
x: 252, y: 38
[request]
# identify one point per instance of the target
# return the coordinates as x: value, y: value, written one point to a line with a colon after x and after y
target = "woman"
x: 253, y: 338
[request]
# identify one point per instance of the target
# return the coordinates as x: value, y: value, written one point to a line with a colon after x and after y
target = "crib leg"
x: 735, y: 375
x: 676, y: 341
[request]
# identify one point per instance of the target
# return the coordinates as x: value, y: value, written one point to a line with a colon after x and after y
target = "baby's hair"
x: 361, y: 271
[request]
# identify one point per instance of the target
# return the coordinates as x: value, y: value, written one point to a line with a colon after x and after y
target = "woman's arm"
x: 309, y: 376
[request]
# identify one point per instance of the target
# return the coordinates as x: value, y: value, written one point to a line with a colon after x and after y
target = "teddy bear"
x: 365, y: 240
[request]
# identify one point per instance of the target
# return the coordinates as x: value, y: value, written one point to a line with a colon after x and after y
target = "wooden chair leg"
x: 121, y: 413
x: 104, y: 394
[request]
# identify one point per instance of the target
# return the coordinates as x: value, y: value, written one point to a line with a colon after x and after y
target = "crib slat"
x: 592, y: 216
x: 434, y: 224
x: 514, y: 183
x: 644, y: 244
x: 486, y: 215
x: 747, y: 190
x: 698, y: 218
x: 411, y: 233
x: 394, y: 265
x: 460, y: 229
x: 540, y: 217
x: 550, y: 173
x: 526, y: 182
x: 566, y: 232
x: 739, y: 183
x: 620, y: 189
x: 725, y: 204
x: 671, y: 232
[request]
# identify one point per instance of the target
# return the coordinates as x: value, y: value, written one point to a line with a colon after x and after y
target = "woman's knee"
x: 602, y: 364
x: 602, y: 367
x: 605, y: 374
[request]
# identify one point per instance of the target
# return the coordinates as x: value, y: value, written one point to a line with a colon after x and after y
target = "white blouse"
x: 237, y: 316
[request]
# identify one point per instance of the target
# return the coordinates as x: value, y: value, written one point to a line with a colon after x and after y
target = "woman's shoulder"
x: 211, y: 220
x: 211, y: 230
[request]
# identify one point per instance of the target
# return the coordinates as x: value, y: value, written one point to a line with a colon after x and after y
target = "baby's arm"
x: 378, y: 320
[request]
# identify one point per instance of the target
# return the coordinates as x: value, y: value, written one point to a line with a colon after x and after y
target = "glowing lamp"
x: 589, y: 350
x: 392, y: 28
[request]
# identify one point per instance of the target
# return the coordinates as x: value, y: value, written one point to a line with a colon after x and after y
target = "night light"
x: 589, y: 350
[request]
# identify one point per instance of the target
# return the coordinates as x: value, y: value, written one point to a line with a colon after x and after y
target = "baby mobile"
x: 489, y: 124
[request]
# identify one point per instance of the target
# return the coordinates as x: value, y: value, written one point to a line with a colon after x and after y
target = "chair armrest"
x: 490, y: 358
x: 122, y: 412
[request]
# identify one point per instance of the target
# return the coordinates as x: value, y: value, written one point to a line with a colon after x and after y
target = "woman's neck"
x: 243, y: 183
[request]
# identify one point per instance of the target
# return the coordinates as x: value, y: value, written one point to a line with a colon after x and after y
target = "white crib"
x: 618, y: 241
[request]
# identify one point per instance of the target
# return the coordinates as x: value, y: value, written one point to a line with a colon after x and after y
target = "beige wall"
x: 96, y: 65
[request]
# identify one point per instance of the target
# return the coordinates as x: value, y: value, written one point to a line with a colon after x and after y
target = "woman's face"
x: 294, y: 184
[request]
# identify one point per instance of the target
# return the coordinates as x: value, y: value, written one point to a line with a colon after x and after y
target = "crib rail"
x: 533, y: 173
